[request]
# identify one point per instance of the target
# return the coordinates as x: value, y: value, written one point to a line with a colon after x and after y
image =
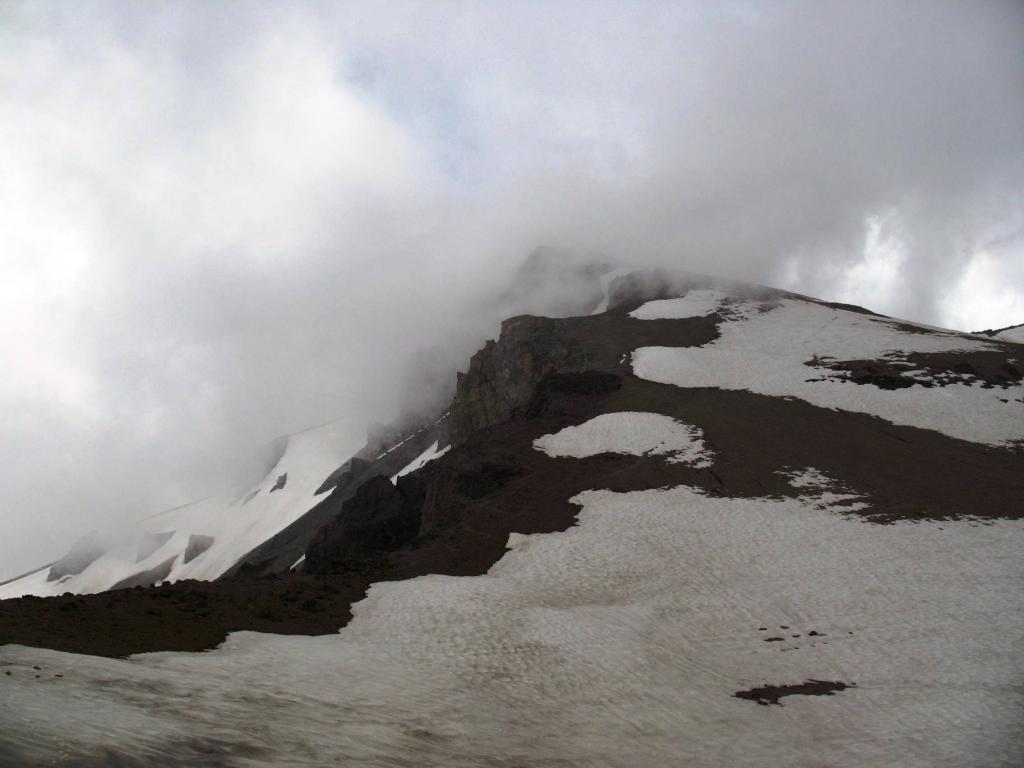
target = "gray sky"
x: 224, y: 222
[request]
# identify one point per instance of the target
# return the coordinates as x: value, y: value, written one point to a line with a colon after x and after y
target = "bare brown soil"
x: 770, y: 694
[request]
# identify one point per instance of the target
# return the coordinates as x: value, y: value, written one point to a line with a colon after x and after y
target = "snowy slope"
x: 620, y: 642
x: 1015, y: 334
x: 236, y: 523
x: 625, y: 640
x: 767, y: 347
x: 431, y: 453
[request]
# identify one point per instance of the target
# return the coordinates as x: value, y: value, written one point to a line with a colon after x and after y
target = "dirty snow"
x: 631, y: 432
x: 766, y: 351
x: 237, y: 526
x: 619, y: 642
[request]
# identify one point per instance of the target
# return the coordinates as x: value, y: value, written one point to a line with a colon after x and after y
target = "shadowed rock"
x: 380, y: 518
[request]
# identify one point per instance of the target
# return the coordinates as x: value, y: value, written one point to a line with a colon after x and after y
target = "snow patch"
x: 766, y: 352
x: 1015, y: 335
x: 428, y: 455
x: 697, y: 303
x: 808, y: 477
x: 619, y: 642
x: 632, y: 432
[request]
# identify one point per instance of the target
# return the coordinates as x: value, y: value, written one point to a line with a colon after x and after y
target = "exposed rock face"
x: 197, y: 544
x: 279, y: 553
x: 343, y: 475
x: 381, y: 517
x: 281, y: 481
x: 85, y: 551
x: 503, y: 375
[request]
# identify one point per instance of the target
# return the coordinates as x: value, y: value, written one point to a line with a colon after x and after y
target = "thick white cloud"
x: 220, y: 223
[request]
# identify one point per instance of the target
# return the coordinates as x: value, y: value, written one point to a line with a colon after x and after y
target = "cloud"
x: 225, y: 223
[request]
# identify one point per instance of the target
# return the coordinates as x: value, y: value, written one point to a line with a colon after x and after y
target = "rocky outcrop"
x: 279, y: 553
x: 502, y: 376
x: 343, y: 475
x: 379, y: 518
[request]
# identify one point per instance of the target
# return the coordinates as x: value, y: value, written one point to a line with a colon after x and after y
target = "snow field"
x: 695, y: 303
x: 619, y: 642
x: 629, y: 432
x: 236, y: 525
x: 766, y: 353
x: 1015, y: 334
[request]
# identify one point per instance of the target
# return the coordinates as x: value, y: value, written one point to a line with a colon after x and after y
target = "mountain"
x: 676, y: 521
x: 1014, y: 333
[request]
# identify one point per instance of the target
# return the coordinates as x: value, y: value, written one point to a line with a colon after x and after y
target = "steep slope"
x: 204, y: 539
x: 1013, y: 333
x: 650, y: 522
x: 266, y: 528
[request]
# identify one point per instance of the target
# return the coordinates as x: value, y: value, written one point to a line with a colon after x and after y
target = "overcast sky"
x: 223, y: 222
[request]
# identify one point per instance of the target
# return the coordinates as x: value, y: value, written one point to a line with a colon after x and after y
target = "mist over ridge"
x: 223, y: 225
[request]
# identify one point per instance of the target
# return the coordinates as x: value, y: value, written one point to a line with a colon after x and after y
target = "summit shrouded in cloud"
x: 222, y: 224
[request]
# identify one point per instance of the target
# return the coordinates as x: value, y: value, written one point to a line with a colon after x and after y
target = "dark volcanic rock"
x: 989, y: 368
x: 279, y: 553
x: 343, y: 475
x: 184, y: 616
x: 502, y: 376
x: 85, y: 552
x: 770, y: 694
x: 486, y: 479
x: 381, y: 517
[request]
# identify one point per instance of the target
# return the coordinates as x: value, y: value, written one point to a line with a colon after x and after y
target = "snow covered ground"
x: 428, y: 455
x: 629, y: 432
x: 622, y: 642
x: 766, y: 352
x: 236, y: 522
x: 619, y: 642
x: 696, y: 303
x: 1015, y: 334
